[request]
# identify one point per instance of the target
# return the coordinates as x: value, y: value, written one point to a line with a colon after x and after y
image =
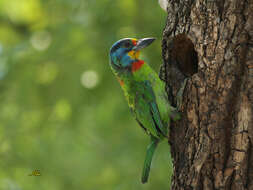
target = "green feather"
x: 149, y: 155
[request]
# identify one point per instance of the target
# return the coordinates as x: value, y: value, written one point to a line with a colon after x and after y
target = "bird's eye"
x: 127, y: 45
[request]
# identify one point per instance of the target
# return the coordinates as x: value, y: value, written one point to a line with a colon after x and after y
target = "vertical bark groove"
x: 212, y: 144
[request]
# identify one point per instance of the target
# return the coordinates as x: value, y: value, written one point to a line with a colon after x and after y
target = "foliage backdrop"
x: 62, y: 111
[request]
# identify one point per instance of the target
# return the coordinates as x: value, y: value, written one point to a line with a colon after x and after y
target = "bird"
x: 145, y: 93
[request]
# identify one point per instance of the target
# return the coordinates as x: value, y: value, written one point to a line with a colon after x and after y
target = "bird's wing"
x: 138, y: 121
x: 145, y: 110
x: 149, y: 96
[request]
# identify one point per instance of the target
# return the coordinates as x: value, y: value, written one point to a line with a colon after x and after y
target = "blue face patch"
x: 120, y: 60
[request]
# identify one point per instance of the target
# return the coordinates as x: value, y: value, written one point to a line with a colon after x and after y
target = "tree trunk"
x: 212, y: 145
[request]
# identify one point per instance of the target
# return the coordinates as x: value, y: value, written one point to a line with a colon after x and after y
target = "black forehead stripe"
x: 114, y: 48
x: 119, y: 43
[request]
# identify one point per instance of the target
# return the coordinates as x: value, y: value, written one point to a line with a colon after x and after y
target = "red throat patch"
x: 137, y: 65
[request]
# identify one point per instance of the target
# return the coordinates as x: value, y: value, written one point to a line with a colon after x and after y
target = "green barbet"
x: 144, y: 91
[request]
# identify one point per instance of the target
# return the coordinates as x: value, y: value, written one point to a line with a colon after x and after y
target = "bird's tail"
x: 149, y: 155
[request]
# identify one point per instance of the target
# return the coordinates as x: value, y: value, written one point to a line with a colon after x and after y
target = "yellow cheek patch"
x: 134, y: 54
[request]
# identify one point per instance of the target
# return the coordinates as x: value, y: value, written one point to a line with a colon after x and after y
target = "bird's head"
x: 125, y: 52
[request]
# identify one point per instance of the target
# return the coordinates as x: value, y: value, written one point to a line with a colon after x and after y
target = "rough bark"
x: 212, y: 145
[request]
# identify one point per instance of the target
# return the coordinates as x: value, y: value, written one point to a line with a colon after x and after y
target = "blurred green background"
x: 62, y: 110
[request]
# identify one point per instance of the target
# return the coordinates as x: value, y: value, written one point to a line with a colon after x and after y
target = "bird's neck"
x: 137, y: 65
x: 138, y: 72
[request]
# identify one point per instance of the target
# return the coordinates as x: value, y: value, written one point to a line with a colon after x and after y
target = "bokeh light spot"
x: 62, y: 109
x: 41, y: 40
x: 23, y: 11
x: 47, y: 73
x: 5, y: 147
x: 108, y: 174
x: 89, y: 79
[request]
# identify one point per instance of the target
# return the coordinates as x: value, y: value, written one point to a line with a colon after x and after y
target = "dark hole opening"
x: 184, y: 54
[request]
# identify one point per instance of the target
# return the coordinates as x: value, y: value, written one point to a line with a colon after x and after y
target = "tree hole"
x: 183, y: 53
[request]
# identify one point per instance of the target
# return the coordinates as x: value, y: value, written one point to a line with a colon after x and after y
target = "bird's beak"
x: 142, y: 43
